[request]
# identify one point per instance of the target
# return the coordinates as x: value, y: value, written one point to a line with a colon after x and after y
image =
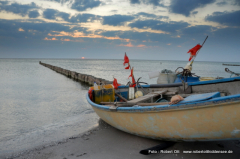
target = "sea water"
x: 39, y: 106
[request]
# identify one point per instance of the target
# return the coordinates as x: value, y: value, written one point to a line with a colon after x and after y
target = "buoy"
x: 138, y: 94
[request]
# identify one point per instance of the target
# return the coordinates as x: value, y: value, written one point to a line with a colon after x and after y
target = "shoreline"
x: 48, y: 136
x: 50, y: 144
x: 104, y: 141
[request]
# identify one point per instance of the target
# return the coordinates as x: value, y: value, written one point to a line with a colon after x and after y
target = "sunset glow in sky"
x: 106, y: 29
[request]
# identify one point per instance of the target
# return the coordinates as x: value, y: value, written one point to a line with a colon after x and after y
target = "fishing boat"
x: 181, y: 109
x: 210, y: 110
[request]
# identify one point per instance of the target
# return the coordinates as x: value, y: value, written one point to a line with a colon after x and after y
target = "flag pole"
x: 130, y: 68
x: 198, y: 51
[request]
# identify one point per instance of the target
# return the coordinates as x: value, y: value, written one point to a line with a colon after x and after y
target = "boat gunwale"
x: 219, y: 101
x: 231, y: 79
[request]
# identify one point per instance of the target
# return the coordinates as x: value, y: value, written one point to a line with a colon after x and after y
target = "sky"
x: 106, y: 29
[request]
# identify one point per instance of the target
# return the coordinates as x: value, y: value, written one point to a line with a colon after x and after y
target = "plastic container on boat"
x: 153, y: 74
x: 95, y: 86
x: 104, y: 93
x: 166, y: 78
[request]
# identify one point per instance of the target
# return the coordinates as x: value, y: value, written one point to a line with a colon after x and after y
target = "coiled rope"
x: 185, y: 72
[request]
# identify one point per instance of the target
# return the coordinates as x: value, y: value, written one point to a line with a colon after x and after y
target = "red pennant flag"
x: 126, y: 60
x: 131, y: 75
x: 133, y: 80
x: 127, y: 67
x: 115, y: 83
x: 193, y: 51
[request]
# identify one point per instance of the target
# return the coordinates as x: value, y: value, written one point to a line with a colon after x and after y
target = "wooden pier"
x: 230, y: 64
x: 89, y: 79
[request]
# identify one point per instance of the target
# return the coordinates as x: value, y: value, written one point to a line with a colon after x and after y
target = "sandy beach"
x: 106, y: 142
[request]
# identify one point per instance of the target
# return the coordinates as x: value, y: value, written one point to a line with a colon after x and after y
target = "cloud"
x: 82, y: 5
x: 33, y: 29
x: 135, y: 1
x: 184, y: 7
x: 28, y: 36
x: 64, y: 16
x: 20, y: 29
x: 45, y: 27
x: 39, y: 30
x: 18, y: 8
x: 116, y: 20
x: 141, y: 45
x: 225, y: 18
x: 148, y: 2
x: 221, y: 3
x: 65, y: 39
x: 146, y: 37
x: 131, y: 45
x: 4, y: 2
x: 159, y: 25
x: 143, y: 15
x: 59, y: 1
x: 33, y: 14
x: 194, y: 12
x: 146, y: 15
x: 50, y: 39
x: 225, y: 34
x: 154, y: 2
x: 85, y: 17
x: 50, y: 13
x: 237, y: 2
x: 114, y: 11
x: 197, y: 31
x: 78, y: 18
x: 77, y: 34
x: 127, y: 45
x: 55, y: 1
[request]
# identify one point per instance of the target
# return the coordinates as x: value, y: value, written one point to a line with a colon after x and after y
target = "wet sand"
x: 106, y: 142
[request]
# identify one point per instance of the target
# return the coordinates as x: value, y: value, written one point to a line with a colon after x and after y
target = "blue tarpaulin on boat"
x: 200, y: 97
x: 186, y: 79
